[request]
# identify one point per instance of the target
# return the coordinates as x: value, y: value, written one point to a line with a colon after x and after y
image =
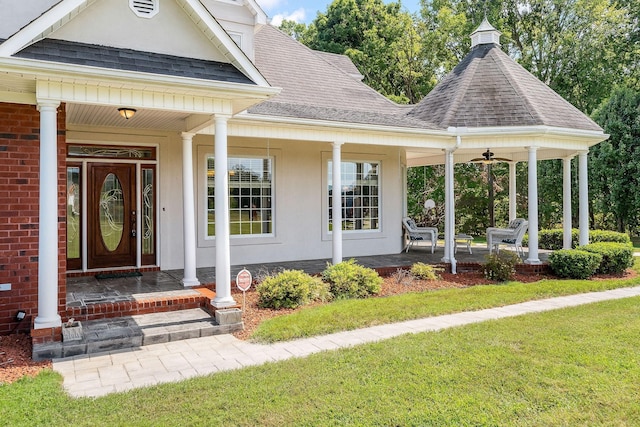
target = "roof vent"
x: 485, y: 34
x: 145, y: 8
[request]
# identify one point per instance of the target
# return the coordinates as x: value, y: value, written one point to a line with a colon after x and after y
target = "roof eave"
x: 342, y: 125
x: 592, y: 136
x: 62, y: 72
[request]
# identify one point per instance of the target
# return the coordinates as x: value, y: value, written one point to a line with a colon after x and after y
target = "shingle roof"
x: 488, y: 89
x: 341, y: 62
x: 54, y: 50
x: 313, y: 88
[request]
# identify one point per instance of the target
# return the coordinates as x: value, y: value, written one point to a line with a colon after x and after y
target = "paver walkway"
x: 97, y: 375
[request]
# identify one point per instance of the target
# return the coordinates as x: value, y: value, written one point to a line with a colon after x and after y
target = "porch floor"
x: 87, y: 290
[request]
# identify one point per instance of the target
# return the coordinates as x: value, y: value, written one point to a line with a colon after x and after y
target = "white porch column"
x: 449, y: 214
x: 566, y: 202
x: 533, y: 206
x: 512, y: 191
x: 584, y: 198
x: 188, y: 209
x: 336, y: 196
x: 223, y: 257
x: 48, y: 316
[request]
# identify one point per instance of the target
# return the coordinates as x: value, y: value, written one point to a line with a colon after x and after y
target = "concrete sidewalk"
x: 101, y: 374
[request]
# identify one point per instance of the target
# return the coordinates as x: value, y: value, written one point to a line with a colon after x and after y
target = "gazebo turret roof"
x: 489, y: 89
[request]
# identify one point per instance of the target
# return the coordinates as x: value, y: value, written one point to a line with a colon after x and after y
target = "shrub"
x: 574, y: 264
x: 501, y: 266
x: 553, y: 239
x: 290, y: 289
x: 596, y: 236
x: 424, y: 271
x: 350, y: 280
x: 616, y: 257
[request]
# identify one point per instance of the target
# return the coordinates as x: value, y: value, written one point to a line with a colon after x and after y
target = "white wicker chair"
x: 496, y: 234
x: 510, y: 238
x: 417, y: 234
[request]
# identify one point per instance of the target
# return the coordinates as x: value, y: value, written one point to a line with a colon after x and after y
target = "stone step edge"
x: 147, y: 336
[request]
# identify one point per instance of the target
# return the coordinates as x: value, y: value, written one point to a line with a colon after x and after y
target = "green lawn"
x: 352, y: 314
x: 570, y: 367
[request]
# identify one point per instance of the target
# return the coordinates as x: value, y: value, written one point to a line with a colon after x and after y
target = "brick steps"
x: 141, y: 304
x: 112, y: 334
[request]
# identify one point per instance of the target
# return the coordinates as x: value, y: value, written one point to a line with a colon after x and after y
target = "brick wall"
x: 19, y: 200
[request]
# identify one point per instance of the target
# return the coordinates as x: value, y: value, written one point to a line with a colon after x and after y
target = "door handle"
x: 133, y: 224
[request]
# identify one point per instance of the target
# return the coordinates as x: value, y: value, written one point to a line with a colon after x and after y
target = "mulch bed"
x: 15, y: 358
x: 15, y: 350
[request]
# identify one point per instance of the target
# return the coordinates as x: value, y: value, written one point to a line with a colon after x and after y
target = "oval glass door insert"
x: 111, y: 212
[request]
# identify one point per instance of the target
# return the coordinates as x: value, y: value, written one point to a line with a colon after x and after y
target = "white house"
x: 175, y: 134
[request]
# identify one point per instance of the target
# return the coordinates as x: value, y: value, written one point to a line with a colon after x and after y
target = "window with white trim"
x: 360, y: 195
x: 250, y: 195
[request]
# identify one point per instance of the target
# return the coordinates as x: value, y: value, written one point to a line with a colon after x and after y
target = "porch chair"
x: 514, y: 238
x: 495, y: 233
x: 415, y: 233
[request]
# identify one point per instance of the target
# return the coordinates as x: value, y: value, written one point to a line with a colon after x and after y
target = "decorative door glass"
x: 73, y: 213
x: 148, y: 214
x: 111, y: 212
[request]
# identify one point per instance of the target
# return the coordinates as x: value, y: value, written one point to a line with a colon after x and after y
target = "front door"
x: 111, y: 215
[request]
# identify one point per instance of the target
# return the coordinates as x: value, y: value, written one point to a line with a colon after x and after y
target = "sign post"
x: 243, y: 282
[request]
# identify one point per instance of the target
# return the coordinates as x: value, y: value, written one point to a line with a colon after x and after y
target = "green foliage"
x: 381, y: 39
x: 290, y: 289
x: 501, y: 266
x: 614, y: 164
x: 424, y: 271
x: 294, y: 29
x: 553, y: 239
x: 616, y: 257
x: 350, y: 280
x: 574, y: 264
x: 596, y: 236
x: 346, y: 315
x: 574, y: 47
x: 570, y: 367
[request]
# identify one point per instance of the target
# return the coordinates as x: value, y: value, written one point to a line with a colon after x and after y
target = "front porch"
x: 87, y: 291
x: 137, y: 309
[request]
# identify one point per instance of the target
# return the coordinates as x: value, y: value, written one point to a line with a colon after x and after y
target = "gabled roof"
x: 489, y: 89
x: 131, y: 60
x: 45, y: 26
x: 313, y: 88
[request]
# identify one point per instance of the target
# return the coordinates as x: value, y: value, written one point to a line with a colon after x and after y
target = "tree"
x: 580, y: 48
x: 383, y: 42
x: 614, y: 165
x: 294, y: 29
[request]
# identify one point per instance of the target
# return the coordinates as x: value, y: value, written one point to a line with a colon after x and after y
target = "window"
x: 360, y: 195
x: 250, y: 195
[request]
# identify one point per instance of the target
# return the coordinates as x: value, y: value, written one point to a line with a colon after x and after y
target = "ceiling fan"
x: 487, y: 158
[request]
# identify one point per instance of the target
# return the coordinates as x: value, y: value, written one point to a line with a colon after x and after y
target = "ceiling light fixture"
x: 127, y: 113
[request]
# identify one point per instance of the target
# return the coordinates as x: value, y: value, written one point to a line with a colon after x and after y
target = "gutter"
x: 61, y: 72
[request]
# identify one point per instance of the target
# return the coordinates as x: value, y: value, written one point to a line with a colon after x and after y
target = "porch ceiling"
x: 107, y: 116
x: 426, y: 157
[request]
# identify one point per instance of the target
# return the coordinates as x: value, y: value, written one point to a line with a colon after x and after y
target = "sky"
x: 306, y: 10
